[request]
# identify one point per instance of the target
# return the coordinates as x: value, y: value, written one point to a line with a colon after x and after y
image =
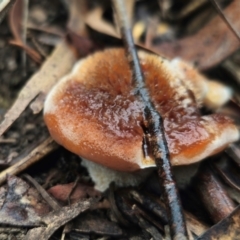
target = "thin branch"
x: 45, y: 195
x: 154, y: 128
x: 222, y: 15
x: 35, y: 155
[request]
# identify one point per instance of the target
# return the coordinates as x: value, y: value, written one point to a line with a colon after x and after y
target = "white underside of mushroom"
x: 103, y: 177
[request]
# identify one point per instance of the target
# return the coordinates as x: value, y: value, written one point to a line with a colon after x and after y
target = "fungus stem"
x: 153, y: 127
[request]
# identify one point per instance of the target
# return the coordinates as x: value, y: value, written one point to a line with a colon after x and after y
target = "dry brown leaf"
x: 83, y: 45
x: 57, y: 65
x: 22, y: 204
x: 77, y: 34
x: 93, y: 223
x: 57, y: 219
x: 15, y: 20
x: 61, y: 192
x: 94, y: 20
x: 208, y: 47
x: 77, y: 12
x: 31, y: 52
x: 16, y: 25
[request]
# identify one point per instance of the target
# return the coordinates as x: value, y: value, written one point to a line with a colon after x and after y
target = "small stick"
x: 45, y: 195
x: 35, y: 155
x: 154, y: 127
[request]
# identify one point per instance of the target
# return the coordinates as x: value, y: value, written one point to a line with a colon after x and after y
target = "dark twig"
x: 222, y: 15
x: 55, y: 206
x: 153, y: 125
x: 114, y: 207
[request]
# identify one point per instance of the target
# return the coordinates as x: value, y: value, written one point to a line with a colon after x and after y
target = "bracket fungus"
x: 95, y: 113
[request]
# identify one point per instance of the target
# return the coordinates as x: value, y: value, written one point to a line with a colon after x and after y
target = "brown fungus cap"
x: 94, y: 113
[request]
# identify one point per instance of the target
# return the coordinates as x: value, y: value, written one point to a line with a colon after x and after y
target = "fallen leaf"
x: 93, y: 223
x: 16, y: 26
x: 30, y: 51
x: 21, y: 205
x: 209, y: 46
x: 57, y: 219
x: 77, y: 11
x: 95, y: 20
x: 61, y: 192
x: 84, y: 45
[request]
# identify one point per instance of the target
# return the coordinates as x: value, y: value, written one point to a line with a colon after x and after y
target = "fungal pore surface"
x: 95, y: 113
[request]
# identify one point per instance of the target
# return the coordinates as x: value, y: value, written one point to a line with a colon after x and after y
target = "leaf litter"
x: 212, y: 48
x: 21, y: 205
